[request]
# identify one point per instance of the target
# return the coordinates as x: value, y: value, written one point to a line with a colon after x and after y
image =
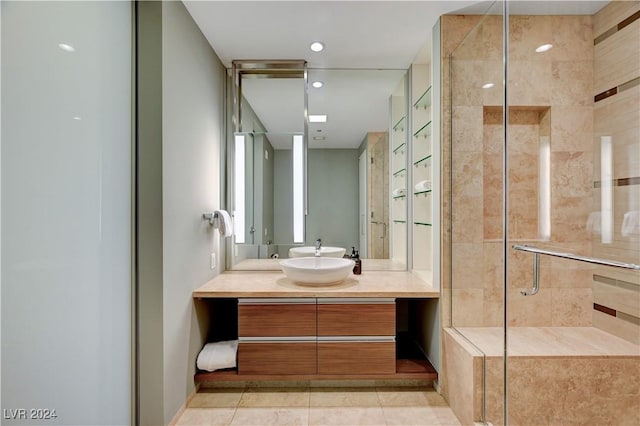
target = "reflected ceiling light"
x: 317, y: 84
x: 487, y: 85
x: 66, y: 47
x: 316, y: 46
x: 77, y: 118
x: 298, y: 188
x: 543, y: 48
x: 318, y: 118
x: 319, y: 138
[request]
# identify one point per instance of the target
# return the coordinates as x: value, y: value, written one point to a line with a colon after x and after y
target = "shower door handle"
x: 536, y: 277
x: 384, y: 228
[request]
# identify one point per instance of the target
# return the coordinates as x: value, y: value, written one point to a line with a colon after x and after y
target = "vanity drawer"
x: 263, y: 318
x: 356, y: 357
x: 366, y: 318
x: 284, y: 357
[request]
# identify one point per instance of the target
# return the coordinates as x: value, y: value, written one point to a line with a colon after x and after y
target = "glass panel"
x: 476, y: 188
x: 66, y: 212
x: 573, y: 175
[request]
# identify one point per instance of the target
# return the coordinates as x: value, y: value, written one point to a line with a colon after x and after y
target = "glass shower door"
x: 476, y: 186
x: 573, y: 324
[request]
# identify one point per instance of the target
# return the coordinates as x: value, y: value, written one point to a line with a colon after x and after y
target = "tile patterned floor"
x: 318, y: 406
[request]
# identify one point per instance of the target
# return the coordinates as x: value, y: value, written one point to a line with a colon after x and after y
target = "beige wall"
x: 617, y: 65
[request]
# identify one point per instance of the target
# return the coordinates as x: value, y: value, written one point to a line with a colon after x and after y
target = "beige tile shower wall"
x: 550, y: 95
x: 616, y: 62
x: 613, y: 13
x: 453, y: 30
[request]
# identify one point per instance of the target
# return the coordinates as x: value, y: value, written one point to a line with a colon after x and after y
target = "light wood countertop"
x: 232, y: 284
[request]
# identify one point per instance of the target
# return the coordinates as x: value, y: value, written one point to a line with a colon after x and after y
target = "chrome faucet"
x: 318, y: 247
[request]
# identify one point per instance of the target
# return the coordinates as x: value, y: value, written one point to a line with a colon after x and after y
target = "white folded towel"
x: 423, y: 185
x: 218, y: 355
x: 224, y: 223
x: 399, y: 192
x: 631, y: 223
x: 594, y: 222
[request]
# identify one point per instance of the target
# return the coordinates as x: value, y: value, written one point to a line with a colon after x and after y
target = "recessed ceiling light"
x: 319, y: 138
x: 322, y: 118
x: 317, y: 84
x: 77, y: 118
x: 543, y: 48
x: 316, y: 46
x: 487, y: 85
x: 66, y: 47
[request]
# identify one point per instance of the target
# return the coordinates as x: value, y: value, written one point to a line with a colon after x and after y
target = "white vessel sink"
x: 317, y: 271
x: 308, y: 251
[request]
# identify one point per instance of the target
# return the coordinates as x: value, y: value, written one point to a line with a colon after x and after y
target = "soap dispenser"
x: 352, y: 255
x: 357, y: 269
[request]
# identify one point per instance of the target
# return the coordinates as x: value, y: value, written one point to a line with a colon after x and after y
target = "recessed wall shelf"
x: 424, y: 131
x: 402, y: 145
x: 400, y: 125
x: 399, y: 172
x: 422, y: 160
x: 421, y: 177
x: 424, y: 101
x: 399, y: 196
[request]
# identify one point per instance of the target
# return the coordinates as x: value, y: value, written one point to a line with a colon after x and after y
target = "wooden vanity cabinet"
x: 319, y: 337
x: 273, y: 357
x: 356, y: 336
x: 356, y: 357
x: 344, y: 317
x: 277, y: 336
x: 284, y: 317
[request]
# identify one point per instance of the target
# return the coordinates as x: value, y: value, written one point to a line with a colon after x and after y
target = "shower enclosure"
x: 542, y: 144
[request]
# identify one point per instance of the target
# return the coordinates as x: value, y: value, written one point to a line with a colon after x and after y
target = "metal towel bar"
x: 536, y: 263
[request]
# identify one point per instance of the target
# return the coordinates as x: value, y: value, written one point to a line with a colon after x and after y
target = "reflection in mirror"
x: 348, y: 164
x: 399, y: 172
x: 278, y: 90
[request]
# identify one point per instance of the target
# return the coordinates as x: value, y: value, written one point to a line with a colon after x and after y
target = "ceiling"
x: 359, y: 37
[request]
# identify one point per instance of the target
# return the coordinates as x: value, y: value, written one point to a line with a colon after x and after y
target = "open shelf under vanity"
x: 406, y: 369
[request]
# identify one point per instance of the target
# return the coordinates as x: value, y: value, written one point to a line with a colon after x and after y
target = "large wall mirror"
x: 339, y: 176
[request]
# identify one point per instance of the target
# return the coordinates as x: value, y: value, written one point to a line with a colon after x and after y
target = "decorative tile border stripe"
x: 611, y: 31
x: 605, y: 94
x: 604, y: 280
x: 604, y: 309
x: 615, y: 90
x: 618, y: 283
x: 629, y: 84
x: 629, y: 20
x: 620, y: 182
x: 627, y: 317
x: 618, y: 314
